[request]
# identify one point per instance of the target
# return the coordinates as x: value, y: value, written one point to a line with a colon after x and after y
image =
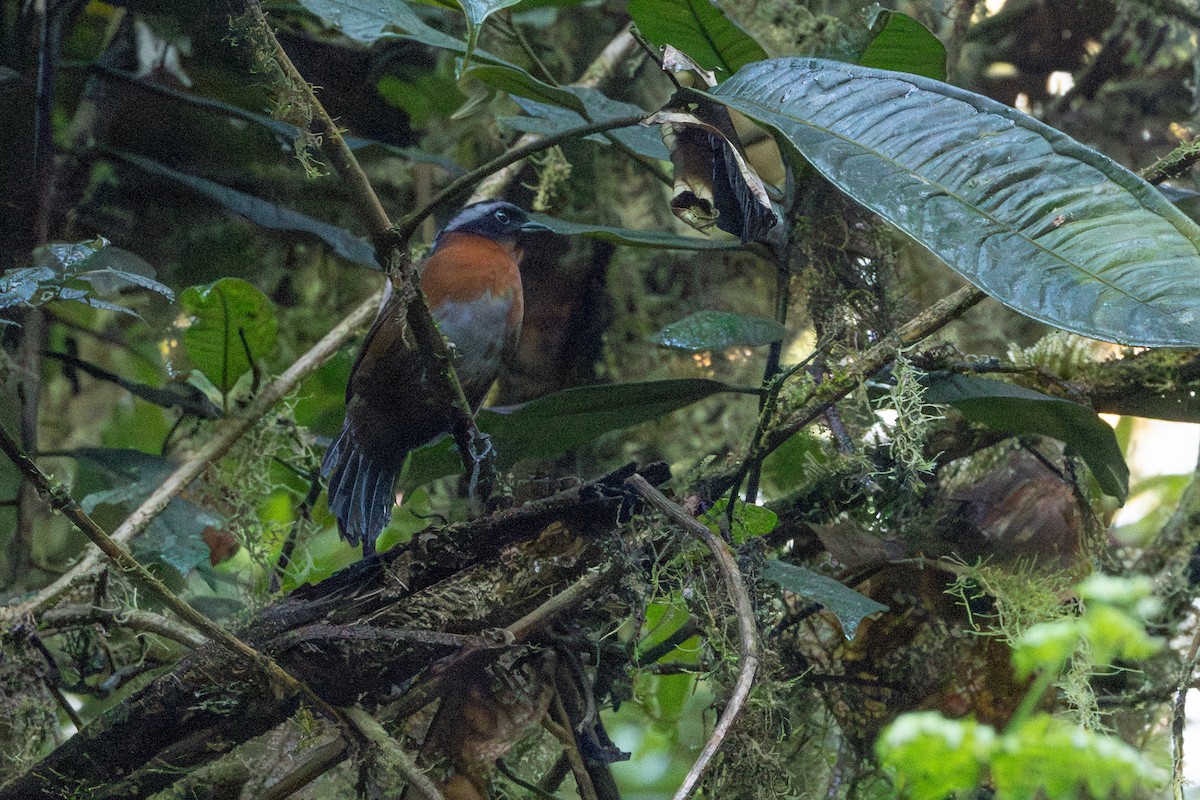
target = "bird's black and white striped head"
x: 494, y: 219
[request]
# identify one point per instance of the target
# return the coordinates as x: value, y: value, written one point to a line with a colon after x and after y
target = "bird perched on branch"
x: 473, y: 287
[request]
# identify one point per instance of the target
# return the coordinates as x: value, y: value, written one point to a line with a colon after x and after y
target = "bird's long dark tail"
x: 360, y: 490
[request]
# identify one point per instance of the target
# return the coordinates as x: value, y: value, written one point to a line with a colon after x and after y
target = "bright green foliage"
x: 1037, y: 755
x: 936, y: 756
x: 749, y: 521
x: 232, y: 323
x: 699, y: 29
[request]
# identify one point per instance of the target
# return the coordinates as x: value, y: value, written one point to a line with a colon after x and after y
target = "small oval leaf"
x: 848, y: 606
x: 717, y: 330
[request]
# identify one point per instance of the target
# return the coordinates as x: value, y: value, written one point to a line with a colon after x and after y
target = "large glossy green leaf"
x: 548, y: 119
x: 635, y: 238
x: 904, y: 45
x: 699, y: 29
x: 848, y: 606
x: 1043, y: 224
x: 565, y: 420
x: 231, y: 322
x: 1015, y: 409
x: 717, y: 330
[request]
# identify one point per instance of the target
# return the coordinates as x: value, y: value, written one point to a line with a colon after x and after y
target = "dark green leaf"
x: 563, y: 421
x: 632, y: 238
x: 174, y: 536
x: 567, y: 419
x: 848, y: 606
x: 368, y: 21
x: 904, y: 45
x: 228, y: 317
x: 717, y: 330
x: 699, y: 29
x: 477, y: 12
x: 1017, y: 410
x: 1033, y: 218
x: 520, y: 83
x: 547, y: 120
x: 269, y: 215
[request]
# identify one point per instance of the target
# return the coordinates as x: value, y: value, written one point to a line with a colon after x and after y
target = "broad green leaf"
x: 563, y: 421
x: 174, y: 536
x: 520, y: 83
x: 717, y: 330
x: 699, y: 29
x: 228, y: 317
x: 904, y: 45
x: 267, y: 214
x: 633, y: 238
x: 547, y: 120
x: 1015, y: 409
x: 1043, y: 224
x: 848, y: 606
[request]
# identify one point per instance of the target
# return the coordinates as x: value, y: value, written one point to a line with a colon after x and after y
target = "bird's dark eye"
x: 502, y: 217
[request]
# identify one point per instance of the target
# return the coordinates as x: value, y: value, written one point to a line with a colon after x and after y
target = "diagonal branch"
x: 229, y: 431
x: 61, y: 501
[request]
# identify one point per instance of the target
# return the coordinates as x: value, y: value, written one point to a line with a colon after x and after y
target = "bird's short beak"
x: 529, y: 226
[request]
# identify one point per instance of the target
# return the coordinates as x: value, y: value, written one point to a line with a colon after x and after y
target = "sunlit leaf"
x: 1043, y: 224
x: 904, y: 45
x: 717, y: 330
x: 847, y: 605
x: 699, y: 29
x: 749, y: 521
x: 231, y: 322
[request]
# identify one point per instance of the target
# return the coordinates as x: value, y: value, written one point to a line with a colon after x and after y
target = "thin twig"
x: 61, y: 501
x: 64, y: 617
x: 558, y: 722
x: 1179, y: 717
x: 616, y: 52
x: 408, y: 224
x: 225, y: 436
x: 747, y: 628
